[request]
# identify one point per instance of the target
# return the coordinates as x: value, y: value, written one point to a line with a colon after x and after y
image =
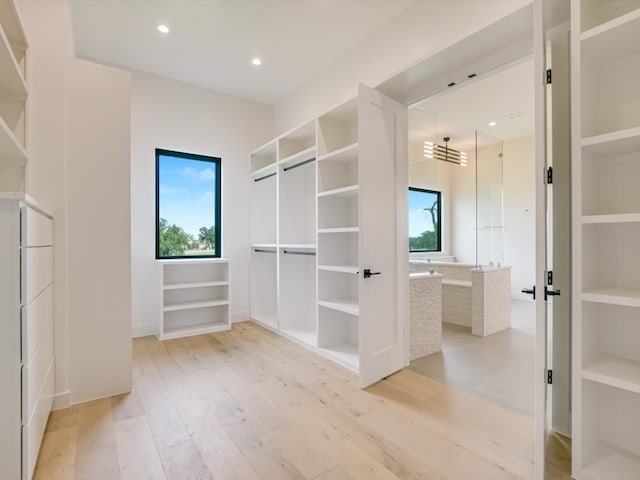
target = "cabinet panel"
x: 37, y: 229
x: 37, y: 271
x: 34, y: 375
x: 36, y: 319
x: 33, y: 431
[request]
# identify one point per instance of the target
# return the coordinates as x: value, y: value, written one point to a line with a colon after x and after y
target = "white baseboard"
x: 240, y: 317
x: 61, y: 400
x: 144, y: 329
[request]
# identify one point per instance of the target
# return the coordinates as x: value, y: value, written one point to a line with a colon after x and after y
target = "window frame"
x: 217, y: 161
x: 439, y: 230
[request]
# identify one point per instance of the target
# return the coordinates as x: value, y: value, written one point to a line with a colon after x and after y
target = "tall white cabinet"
x: 328, y: 203
x: 26, y: 331
x: 606, y: 239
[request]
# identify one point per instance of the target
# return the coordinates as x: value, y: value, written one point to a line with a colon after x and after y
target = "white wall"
x: 46, y: 27
x: 98, y: 228
x: 419, y: 32
x: 176, y: 116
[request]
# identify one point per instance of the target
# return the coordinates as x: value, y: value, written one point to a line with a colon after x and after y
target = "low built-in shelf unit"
x: 195, y: 297
x: 606, y: 235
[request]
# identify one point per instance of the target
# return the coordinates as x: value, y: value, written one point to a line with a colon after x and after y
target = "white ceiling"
x: 212, y: 42
x: 506, y: 97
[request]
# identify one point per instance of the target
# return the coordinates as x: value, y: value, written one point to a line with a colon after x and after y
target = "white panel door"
x: 382, y: 135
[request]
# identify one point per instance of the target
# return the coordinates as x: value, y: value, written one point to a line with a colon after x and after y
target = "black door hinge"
x: 549, y: 76
x: 550, y: 277
x: 550, y: 377
x: 550, y: 175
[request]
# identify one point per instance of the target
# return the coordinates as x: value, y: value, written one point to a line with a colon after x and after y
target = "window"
x: 187, y: 205
x: 424, y: 220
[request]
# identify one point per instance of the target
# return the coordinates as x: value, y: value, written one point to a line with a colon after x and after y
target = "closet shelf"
x: 352, y: 307
x: 178, y: 332
x: 12, y: 83
x: 350, y: 191
x: 264, y: 171
x: 305, y: 336
x: 613, y: 40
x: 612, y: 463
x: 339, y: 230
x: 343, y: 353
x: 191, y: 305
x: 629, y: 297
x: 614, y: 143
x: 615, y: 372
x: 303, y: 156
x: 352, y: 269
x: 302, y: 246
x: 264, y: 245
x: 344, y: 154
x: 612, y: 218
x: 180, y: 286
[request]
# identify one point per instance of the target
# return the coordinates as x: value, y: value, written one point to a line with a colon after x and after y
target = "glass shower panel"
x: 489, y: 206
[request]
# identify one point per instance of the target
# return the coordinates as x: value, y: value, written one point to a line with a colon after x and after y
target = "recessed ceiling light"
x: 492, y: 124
x: 256, y: 61
x: 162, y: 28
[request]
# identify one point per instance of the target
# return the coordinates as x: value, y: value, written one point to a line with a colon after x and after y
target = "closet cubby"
x: 610, y: 64
x: 610, y: 426
x: 338, y: 128
x: 195, y: 297
x: 595, y: 13
x: 338, y: 291
x: 298, y: 145
x: 606, y: 280
x: 264, y: 157
x: 264, y: 286
x: 609, y: 177
x: 338, y: 336
x: 338, y: 209
x: 611, y: 264
x: 610, y: 353
x: 338, y: 250
x: 338, y: 169
x: 297, y: 312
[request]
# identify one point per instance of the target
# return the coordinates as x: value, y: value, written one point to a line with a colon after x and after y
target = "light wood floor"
x: 249, y: 404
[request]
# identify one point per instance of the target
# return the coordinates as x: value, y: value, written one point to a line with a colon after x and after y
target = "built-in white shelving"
x: 606, y: 307
x: 305, y: 258
x: 195, y: 297
x: 14, y: 91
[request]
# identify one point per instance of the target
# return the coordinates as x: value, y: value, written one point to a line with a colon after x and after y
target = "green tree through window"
x: 424, y: 220
x: 187, y: 205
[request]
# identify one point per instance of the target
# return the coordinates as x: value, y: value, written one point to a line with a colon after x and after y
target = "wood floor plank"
x: 97, y: 463
x: 138, y: 457
x: 57, y: 456
x: 183, y: 461
x: 95, y: 424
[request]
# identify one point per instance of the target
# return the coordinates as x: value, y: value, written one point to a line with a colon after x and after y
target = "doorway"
x: 488, y: 205
x: 497, y: 48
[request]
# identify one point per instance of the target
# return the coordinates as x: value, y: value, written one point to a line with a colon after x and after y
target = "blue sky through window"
x: 419, y: 219
x: 187, y: 193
